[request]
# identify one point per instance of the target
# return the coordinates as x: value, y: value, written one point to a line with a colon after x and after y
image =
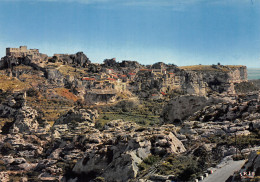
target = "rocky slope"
x: 115, y: 153
x: 72, y: 149
x: 31, y: 148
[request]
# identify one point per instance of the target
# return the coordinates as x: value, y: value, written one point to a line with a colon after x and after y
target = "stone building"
x: 22, y: 51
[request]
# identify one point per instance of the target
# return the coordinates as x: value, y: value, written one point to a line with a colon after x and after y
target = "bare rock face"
x: 25, y: 121
x: 256, y: 124
x: 168, y: 144
x: 54, y: 76
x: 182, y: 107
x: 81, y: 115
x: 234, y: 112
x: 130, y: 64
x: 9, y: 61
x: 220, y: 78
x: 222, y: 119
x: 253, y: 164
x: 110, y: 62
x: 149, y: 82
x: 116, y: 152
x: 78, y: 59
x: 24, y: 116
x: 35, y: 61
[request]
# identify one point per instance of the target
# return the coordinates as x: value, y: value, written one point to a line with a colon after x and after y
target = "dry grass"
x: 33, y: 80
x: 225, y: 68
x: 12, y: 84
x: 202, y: 68
x: 23, y: 67
x: 235, y: 66
x: 258, y: 152
x: 5, y: 120
x: 69, y: 70
x: 63, y: 92
x: 54, y: 65
x: 51, y: 108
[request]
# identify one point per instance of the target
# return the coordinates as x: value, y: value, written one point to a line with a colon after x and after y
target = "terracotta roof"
x: 115, y: 76
x: 111, y: 79
x: 88, y: 79
x: 131, y: 73
x: 145, y: 70
x: 163, y: 93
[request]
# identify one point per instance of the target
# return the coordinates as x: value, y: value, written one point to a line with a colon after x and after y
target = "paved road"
x: 223, y: 173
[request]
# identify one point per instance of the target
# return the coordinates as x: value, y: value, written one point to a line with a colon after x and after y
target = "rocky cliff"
x: 180, y: 108
x: 219, y: 78
x: 199, y: 80
x: 34, y: 61
x: 78, y: 59
x: 24, y: 117
x: 253, y: 164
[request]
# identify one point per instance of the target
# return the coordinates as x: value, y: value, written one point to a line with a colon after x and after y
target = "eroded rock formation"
x: 116, y: 152
x: 78, y: 59
x: 180, y: 108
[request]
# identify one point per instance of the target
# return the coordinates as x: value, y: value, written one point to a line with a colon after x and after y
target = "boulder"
x: 80, y: 116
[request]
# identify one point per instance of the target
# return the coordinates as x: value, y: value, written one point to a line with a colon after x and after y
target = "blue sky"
x: 183, y: 32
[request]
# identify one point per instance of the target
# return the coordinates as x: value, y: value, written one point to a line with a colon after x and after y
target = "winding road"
x: 223, y: 173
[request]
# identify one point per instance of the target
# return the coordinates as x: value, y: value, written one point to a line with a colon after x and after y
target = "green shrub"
x: 105, y: 117
x: 99, y: 179
x: 151, y: 159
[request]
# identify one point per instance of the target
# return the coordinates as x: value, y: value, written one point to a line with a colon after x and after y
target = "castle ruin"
x: 22, y: 51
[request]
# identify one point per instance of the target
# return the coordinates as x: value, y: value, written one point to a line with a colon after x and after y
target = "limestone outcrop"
x: 116, y: 152
x: 253, y: 163
x: 25, y: 121
x: 246, y: 111
x: 79, y: 116
x: 219, y: 78
x: 55, y: 77
x: 78, y: 59
x: 221, y: 120
x: 180, y: 108
x: 130, y: 64
x: 35, y: 61
x: 24, y: 117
